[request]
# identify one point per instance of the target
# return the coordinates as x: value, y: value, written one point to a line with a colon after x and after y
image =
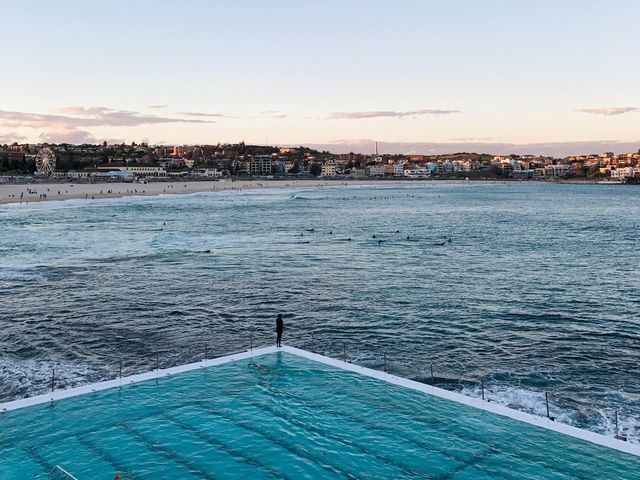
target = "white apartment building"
x: 328, y: 170
x: 260, y: 165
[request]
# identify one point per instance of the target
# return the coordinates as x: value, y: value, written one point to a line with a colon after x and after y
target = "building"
x: 417, y: 173
x: 624, y: 172
x: 260, y: 165
x: 374, y: 171
x: 398, y: 170
x: 556, y: 170
x: 328, y: 170
x: 209, y: 172
x: 140, y: 170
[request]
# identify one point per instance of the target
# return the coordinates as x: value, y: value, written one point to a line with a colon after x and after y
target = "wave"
x: 172, y: 240
x: 17, y: 273
x: 594, y: 418
x: 26, y: 378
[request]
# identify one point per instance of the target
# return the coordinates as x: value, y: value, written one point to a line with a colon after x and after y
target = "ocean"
x: 532, y: 287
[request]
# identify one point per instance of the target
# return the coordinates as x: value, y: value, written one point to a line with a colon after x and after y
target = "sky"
x: 495, y: 76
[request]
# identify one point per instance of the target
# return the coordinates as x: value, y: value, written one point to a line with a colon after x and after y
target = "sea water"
x: 536, y: 291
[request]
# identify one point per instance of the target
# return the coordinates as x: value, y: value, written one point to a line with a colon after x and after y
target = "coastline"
x: 12, y: 193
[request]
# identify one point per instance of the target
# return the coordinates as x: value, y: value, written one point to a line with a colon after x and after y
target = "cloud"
x: 157, y: 106
x: 11, y: 137
x: 554, y: 149
x: 471, y: 139
x: 202, y: 114
x: 67, y: 135
x: 83, y: 110
x: 609, y: 111
x: 69, y: 123
x: 388, y: 114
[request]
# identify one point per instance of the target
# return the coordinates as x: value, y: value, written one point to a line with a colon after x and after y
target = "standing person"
x: 279, y: 330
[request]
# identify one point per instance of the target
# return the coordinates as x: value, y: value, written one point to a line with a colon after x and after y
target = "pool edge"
x: 543, y: 422
x: 131, y: 379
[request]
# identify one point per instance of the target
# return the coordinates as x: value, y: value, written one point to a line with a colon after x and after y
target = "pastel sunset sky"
x: 499, y: 76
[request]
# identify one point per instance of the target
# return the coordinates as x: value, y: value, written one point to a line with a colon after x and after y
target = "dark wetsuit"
x: 279, y: 330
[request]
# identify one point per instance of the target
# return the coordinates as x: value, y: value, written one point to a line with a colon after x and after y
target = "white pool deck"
x: 542, y: 422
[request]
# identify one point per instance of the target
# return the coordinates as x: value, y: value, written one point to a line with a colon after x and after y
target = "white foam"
x: 34, y: 375
x: 492, y: 407
x: 601, y: 420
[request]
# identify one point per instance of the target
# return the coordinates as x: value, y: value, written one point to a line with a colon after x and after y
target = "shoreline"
x: 14, y: 193
x: 43, y: 192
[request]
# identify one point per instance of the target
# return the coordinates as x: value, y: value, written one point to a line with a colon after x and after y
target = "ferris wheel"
x: 45, y: 161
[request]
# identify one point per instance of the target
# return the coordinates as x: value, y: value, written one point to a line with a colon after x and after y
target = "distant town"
x: 131, y: 162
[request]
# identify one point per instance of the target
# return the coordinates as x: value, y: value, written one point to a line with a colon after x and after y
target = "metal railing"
x: 117, y: 368
x: 59, y: 473
x: 383, y: 361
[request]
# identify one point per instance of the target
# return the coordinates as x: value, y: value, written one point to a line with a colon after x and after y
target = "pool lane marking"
x: 381, y: 456
x: 542, y: 422
x: 231, y: 451
x: 162, y: 450
x: 246, y: 425
x: 466, y: 435
x: 106, y: 457
x: 132, y: 379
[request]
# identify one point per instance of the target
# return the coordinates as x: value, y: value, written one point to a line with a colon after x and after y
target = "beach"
x: 37, y: 192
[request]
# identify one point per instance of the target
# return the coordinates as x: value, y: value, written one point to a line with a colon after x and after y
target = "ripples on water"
x: 538, y: 290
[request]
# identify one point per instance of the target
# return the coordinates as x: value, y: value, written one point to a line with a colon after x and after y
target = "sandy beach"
x: 25, y: 193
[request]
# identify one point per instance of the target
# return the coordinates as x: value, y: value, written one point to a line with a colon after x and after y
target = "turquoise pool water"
x: 292, y: 418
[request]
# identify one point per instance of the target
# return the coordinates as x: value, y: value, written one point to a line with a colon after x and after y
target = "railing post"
x: 432, y: 373
x: 251, y: 341
x: 120, y: 369
x: 482, y: 386
x: 344, y: 352
x: 385, y: 362
x: 617, y: 436
x: 157, y: 361
x: 313, y: 350
x: 546, y: 401
x: 53, y: 381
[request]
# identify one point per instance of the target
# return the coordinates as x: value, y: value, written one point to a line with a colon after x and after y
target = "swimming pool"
x: 279, y: 415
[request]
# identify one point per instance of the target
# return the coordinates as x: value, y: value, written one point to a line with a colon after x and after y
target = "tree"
x: 315, y: 169
x: 295, y: 169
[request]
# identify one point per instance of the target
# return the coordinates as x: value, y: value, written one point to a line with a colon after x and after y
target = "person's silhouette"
x: 279, y: 330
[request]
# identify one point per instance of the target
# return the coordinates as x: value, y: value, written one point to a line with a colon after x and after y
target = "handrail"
x: 58, y: 470
x: 338, y: 349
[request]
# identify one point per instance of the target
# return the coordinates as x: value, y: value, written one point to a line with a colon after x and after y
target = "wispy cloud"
x: 11, y: 137
x: 202, y: 114
x: 608, y: 111
x: 68, y: 124
x: 471, y: 139
x: 157, y: 106
x: 77, y: 110
x: 389, y: 113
